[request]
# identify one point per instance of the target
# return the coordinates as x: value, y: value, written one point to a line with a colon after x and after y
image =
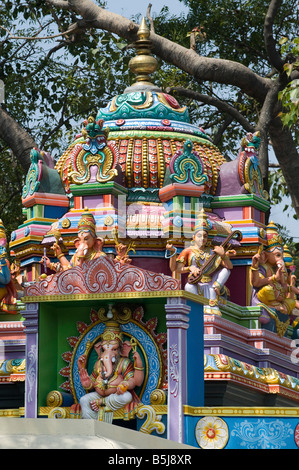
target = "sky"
x: 129, y: 8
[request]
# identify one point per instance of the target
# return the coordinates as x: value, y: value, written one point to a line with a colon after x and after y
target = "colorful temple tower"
x: 153, y: 293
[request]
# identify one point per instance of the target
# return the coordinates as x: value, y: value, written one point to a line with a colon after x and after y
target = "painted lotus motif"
x: 211, y: 433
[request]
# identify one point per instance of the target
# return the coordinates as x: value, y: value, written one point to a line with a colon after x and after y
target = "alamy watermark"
x: 2, y: 88
x: 138, y: 220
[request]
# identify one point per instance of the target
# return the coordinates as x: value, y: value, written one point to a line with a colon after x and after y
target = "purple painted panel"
x: 177, y: 324
x: 31, y: 314
x: 93, y: 201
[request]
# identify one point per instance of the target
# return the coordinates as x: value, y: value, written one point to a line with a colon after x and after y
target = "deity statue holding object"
x: 122, y: 251
x: 192, y: 259
x: 88, y: 246
x: 114, y: 378
x: 273, y: 286
x: 17, y: 278
x: 8, y: 292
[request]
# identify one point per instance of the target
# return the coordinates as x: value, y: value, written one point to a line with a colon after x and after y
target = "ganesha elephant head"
x: 111, y: 350
x: 109, y: 353
x: 273, y: 257
x: 86, y: 242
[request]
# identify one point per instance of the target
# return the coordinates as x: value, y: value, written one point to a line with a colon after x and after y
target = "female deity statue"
x: 193, y: 259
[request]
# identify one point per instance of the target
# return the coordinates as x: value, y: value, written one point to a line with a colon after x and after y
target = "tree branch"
x: 270, y: 44
x: 71, y: 30
x: 148, y: 14
x: 287, y: 156
x: 263, y: 124
x: 61, y: 4
x: 60, y: 123
x: 43, y: 62
x: 228, y: 120
x: 16, y: 138
x: 201, y: 68
x: 212, y: 101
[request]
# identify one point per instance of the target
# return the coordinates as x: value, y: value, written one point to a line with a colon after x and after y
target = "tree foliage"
x: 61, y: 60
x: 289, y: 96
x: 50, y: 86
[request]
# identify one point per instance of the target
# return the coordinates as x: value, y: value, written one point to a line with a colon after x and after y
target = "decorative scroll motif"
x: 59, y: 413
x: 211, y: 433
x: 138, y: 100
x: 31, y: 371
x: 93, y: 151
x: 144, y: 155
x: 187, y: 166
x: 11, y: 367
x: 102, y: 276
x: 152, y: 422
x: 89, y: 159
x: 173, y: 369
x: 54, y: 399
x: 254, y: 181
x: 249, y: 169
x: 141, y: 104
x: 34, y: 174
x: 263, y: 434
x: 158, y: 397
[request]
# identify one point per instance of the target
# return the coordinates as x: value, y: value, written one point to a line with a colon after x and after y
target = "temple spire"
x: 143, y: 64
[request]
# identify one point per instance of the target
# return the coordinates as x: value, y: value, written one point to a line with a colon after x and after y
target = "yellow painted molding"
x: 116, y: 295
x: 241, y: 411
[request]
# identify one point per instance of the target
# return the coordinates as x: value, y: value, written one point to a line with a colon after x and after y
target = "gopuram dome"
x: 145, y: 128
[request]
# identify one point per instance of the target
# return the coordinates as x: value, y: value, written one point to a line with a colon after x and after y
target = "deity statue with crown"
x: 88, y: 246
x: 273, y: 286
x: 211, y: 267
x: 114, y: 377
x: 8, y: 292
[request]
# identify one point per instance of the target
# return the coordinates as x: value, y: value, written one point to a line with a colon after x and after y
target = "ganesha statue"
x: 114, y: 377
x: 272, y: 285
x: 88, y: 246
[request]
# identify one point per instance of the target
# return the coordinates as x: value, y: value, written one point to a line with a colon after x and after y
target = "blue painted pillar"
x: 195, y: 355
x: 31, y: 329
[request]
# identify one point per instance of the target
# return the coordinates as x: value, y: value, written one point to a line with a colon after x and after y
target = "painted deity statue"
x: 273, y: 287
x: 17, y: 278
x: 192, y: 259
x: 114, y: 377
x: 122, y: 252
x: 8, y: 292
x: 88, y: 246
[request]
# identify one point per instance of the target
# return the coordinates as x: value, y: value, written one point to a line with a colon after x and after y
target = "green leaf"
x: 283, y: 40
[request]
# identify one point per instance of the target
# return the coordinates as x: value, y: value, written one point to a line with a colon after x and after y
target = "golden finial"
x: 143, y: 64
